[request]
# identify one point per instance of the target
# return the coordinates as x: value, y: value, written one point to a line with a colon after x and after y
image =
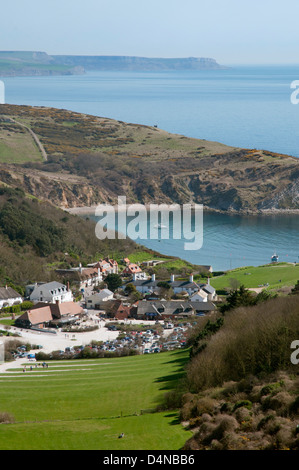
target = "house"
x: 44, y: 314
x: 132, y: 269
x: 9, y: 297
x: 106, y: 266
x: 117, y: 309
x: 51, y: 292
x: 151, y: 285
x: 199, y: 296
x: 190, y: 287
x: 94, y: 301
x: 82, y: 276
x: 209, y: 290
x: 172, y: 309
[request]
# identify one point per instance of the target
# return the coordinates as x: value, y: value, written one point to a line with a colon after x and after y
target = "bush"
x: 6, y: 418
x: 243, y: 403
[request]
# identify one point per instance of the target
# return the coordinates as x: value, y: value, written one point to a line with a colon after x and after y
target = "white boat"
x: 160, y: 226
x: 274, y: 258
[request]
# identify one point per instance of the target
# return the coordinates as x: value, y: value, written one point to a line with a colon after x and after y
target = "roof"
x: 173, y: 307
x: 65, y: 308
x: 88, y: 272
x: 208, y: 288
x: 133, y: 268
x: 182, y: 284
x: 44, y: 313
x: 8, y: 293
x: 52, y: 285
x: 37, y: 316
x: 100, y: 295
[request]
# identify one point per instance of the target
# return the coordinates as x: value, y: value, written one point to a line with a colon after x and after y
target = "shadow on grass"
x: 171, y: 380
x: 175, y: 420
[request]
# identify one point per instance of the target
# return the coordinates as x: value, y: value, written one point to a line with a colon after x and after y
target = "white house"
x: 151, y: 285
x: 51, y: 292
x: 94, y: 300
x: 9, y: 297
x: 199, y: 296
x: 210, y: 290
x: 141, y: 276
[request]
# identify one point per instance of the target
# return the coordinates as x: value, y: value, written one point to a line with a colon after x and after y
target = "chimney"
x: 68, y: 286
x: 172, y: 278
x: 191, y: 278
x: 134, y: 276
x: 80, y: 268
x: 57, y: 302
x: 153, y: 277
x: 208, y: 280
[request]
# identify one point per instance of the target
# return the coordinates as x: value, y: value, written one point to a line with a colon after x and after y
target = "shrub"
x: 6, y: 418
x: 243, y: 403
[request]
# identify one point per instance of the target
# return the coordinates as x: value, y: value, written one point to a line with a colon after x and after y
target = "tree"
x: 113, y: 281
x: 238, y: 297
x: 130, y: 288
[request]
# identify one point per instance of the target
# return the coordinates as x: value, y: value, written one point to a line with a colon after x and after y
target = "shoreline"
x: 85, y: 210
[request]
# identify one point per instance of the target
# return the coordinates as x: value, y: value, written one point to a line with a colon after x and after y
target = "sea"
x: 244, y: 106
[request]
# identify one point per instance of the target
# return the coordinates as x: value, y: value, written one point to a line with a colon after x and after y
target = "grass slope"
x: 87, y: 404
x: 253, y: 277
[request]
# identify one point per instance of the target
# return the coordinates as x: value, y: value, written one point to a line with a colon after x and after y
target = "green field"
x: 18, y: 147
x: 253, y: 277
x: 85, y: 405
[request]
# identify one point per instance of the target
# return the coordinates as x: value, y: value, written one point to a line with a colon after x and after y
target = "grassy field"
x: 85, y: 405
x: 16, y: 147
x: 278, y: 275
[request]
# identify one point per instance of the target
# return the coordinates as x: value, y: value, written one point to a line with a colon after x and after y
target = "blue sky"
x: 231, y: 31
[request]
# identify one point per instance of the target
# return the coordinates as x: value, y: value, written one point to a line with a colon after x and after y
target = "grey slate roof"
x: 150, y: 283
x: 173, y: 307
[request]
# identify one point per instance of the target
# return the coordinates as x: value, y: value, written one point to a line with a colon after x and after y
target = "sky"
x: 230, y: 31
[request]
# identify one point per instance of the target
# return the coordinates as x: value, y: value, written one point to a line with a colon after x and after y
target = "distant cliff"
x: 19, y: 64
x: 121, y: 63
x: 30, y: 63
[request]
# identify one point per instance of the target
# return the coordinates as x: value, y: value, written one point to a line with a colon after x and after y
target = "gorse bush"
x: 253, y: 340
x: 225, y: 418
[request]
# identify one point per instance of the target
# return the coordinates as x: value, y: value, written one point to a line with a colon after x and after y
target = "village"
x: 108, y: 308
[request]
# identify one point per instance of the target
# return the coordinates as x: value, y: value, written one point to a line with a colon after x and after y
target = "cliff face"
x: 93, y: 160
x: 14, y: 63
x: 122, y: 63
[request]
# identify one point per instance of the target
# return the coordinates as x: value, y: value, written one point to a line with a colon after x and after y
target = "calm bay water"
x: 231, y: 241
x: 248, y: 107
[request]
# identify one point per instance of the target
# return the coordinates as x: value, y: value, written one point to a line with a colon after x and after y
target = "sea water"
x: 242, y: 106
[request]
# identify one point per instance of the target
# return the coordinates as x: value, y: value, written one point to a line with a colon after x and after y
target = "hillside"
x: 241, y: 386
x: 89, y: 160
x: 36, y: 238
x: 18, y: 64
x: 32, y: 63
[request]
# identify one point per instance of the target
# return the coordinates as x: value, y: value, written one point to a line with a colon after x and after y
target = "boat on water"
x: 274, y: 258
x: 160, y: 226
